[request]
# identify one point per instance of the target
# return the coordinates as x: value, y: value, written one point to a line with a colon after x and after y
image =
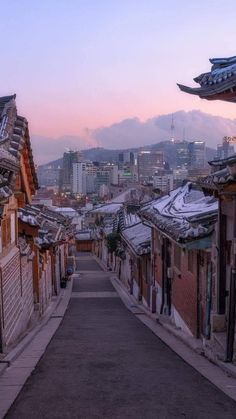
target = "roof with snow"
x: 111, y: 208
x: 185, y: 214
x: 138, y: 236
x: 224, y: 173
x: 52, y: 226
x: 124, y: 196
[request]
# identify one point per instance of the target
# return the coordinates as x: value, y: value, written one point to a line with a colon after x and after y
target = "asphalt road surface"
x: 104, y: 363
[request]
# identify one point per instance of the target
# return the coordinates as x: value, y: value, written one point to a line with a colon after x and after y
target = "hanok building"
x: 135, y: 257
x: 182, y: 227
x: 18, y: 183
x: 220, y: 84
x: 222, y: 184
x: 48, y: 233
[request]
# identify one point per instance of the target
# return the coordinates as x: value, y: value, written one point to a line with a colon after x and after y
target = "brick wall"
x: 184, y: 292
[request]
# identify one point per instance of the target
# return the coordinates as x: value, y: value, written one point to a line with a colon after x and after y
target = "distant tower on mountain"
x: 172, y: 129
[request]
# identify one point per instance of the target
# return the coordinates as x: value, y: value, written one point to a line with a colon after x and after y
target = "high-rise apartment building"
x: 79, y: 178
x: 149, y: 162
x: 83, y: 179
x: 164, y: 182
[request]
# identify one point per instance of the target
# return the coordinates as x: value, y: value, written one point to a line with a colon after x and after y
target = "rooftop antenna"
x: 172, y: 128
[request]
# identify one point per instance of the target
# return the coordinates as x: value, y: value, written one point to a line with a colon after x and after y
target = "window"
x: 177, y: 257
x: 191, y: 261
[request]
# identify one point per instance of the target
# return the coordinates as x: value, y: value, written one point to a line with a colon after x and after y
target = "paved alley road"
x: 104, y: 363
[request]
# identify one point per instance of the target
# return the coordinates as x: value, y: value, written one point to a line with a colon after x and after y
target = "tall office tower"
x: 91, y: 172
x: 149, y: 162
x: 69, y: 157
x: 121, y: 158
x: 225, y: 149
x: 197, y: 154
x: 182, y: 154
x: 103, y: 178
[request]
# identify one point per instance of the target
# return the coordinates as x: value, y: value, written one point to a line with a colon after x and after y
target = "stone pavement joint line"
x: 90, y: 294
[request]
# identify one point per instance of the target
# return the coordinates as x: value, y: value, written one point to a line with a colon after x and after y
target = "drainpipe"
x: 232, y: 297
x: 198, y: 296
x: 209, y: 300
x: 163, y: 276
x: 1, y: 314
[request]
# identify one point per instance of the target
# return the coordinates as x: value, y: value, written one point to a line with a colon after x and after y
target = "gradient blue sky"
x: 77, y: 64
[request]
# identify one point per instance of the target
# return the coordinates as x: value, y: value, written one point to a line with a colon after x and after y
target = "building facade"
x: 149, y: 162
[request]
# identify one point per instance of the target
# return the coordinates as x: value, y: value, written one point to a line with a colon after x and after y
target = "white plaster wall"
x: 158, y: 297
x: 136, y: 290
x: 178, y: 321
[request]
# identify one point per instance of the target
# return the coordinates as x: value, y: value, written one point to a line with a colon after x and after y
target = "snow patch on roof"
x: 139, y: 237
x: 184, y: 213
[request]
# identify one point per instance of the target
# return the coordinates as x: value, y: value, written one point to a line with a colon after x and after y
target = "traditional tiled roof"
x: 14, y: 135
x: 111, y: 208
x: 52, y: 227
x: 219, y: 83
x: 224, y: 173
x: 185, y: 214
x: 138, y: 236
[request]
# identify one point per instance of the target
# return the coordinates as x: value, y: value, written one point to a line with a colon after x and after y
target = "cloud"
x: 132, y: 132
x: 189, y: 125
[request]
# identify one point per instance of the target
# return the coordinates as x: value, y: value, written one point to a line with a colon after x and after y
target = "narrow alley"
x: 104, y: 363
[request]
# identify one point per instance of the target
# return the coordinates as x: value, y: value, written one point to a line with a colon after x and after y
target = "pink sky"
x: 85, y: 64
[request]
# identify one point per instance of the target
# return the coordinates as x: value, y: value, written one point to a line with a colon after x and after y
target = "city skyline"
x: 80, y: 66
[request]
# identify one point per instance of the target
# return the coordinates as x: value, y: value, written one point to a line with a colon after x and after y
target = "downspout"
x: 163, y: 275
x: 1, y: 314
x: 168, y: 278
x: 198, y: 296
x: 140, y: 280
x: 221, y: 262
x: 209, y: 300
x: 232, y: 297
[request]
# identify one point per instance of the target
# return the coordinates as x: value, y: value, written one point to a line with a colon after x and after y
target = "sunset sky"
x: 81, y: 64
